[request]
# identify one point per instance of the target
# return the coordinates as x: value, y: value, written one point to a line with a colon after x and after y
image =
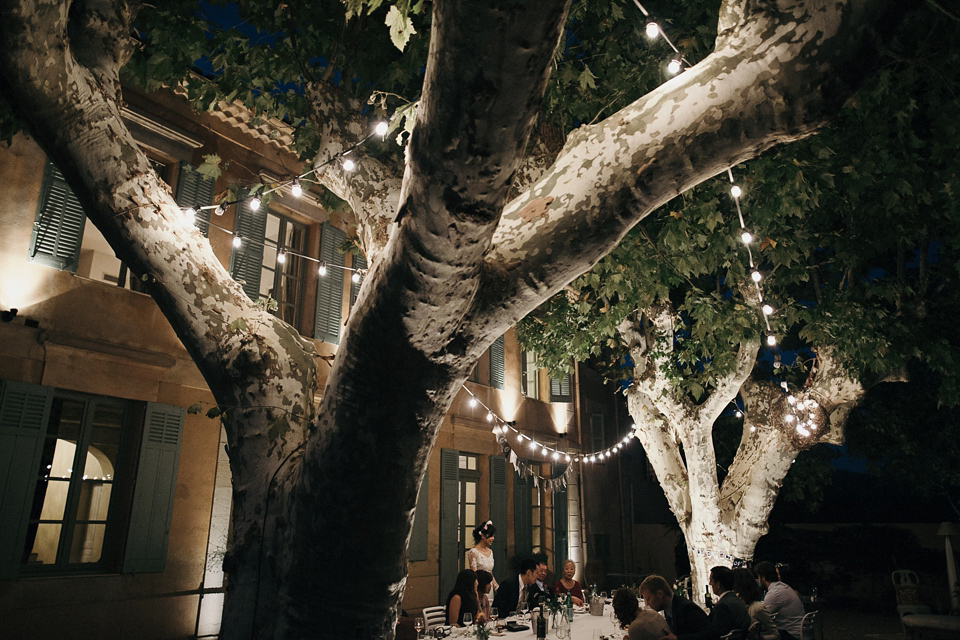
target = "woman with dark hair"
x: 625, y: 606
x: 746, y: 586
x: 484, y: 578
x: 463, y: 598
x: 480, y: 557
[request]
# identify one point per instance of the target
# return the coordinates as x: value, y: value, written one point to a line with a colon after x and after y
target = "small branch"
x: 950, y: 13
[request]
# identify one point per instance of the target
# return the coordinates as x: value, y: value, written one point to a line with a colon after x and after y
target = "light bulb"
x: 190, y: 214
x: 772, y: 340
x: 753, y: 428
x: 382, y: 128
x: 220, y: 210
x: 356, y: 276
x: 349, y: 165
x: 237, y: 241
x: 472, y: 402
x: 746, y: 237
x: 653, y: 29
x: 281, y: 257
x: 295, y: 188
x: 788, y: 417
x: 674, y: 66
x: 568, y: 457
x: 519, y: 437
x: 791, y: 400
x: 767, y: 310
x: 739, y: 413
x: 323, y: 269
x: 556, y: 455
x: 543, y: 451
x: 736, y: 191
x: 756, y: 276
x: 489, y: 416
x: 533, y: 444
x: 254, y: 203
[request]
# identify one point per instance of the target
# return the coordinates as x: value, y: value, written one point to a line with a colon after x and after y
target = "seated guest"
x: 729, y: 613
x: 746, y: 585
x: 463, y: 598
x: 781, y: 601
x: 539, y: 588
x: 484, y: 584
x: 647, y: 626
x: 686, y: 620
x: 625, y: 606
x: 514, y: 591
x: 567, y: 584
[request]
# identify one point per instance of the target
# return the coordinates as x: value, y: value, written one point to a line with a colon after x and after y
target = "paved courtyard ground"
x: 841, y: 624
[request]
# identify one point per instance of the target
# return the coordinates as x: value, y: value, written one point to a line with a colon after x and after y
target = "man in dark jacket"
x: 729, y: 612
x: 686, y: 620
x: 514, y: 591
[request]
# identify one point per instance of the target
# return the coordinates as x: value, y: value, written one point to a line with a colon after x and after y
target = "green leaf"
x: 214, y: 412
x: 401, y: 27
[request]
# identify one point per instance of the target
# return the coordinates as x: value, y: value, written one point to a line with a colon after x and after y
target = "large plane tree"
x: 456, y: 256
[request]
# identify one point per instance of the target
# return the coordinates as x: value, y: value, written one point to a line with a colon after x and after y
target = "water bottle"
x: 569, y: 604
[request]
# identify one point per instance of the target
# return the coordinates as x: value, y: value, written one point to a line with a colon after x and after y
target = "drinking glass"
x: 493, y: 617
x: 418, y: 625
x: 467, y: 619
x: 524, y: 607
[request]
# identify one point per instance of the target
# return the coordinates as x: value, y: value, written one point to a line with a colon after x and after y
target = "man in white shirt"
x: 782, y: 601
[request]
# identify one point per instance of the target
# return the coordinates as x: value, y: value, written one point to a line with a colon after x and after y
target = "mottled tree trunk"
x: 326, y: 497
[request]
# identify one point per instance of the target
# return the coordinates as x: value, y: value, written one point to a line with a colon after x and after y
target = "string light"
x: 237, y: 241
x: 349, y: 165
x: 746, y: 237
x: 295, y: 188
x: 355, y: 277
x: 736, y: 191
x: 653, y: 29
x: 675, y: 66
x: 255, y: 203
x: 322, y: 269
x: 220, y: 210
x: 756, y: 277
x: 190, y: 214
x: 281, y: 257
x: 767, y: 310
x: 382, y: 128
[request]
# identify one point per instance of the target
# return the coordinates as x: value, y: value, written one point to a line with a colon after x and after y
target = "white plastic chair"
x: 808, y: 626
x: 434, y: 617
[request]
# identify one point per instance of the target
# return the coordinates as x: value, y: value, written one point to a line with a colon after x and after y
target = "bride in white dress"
x: 480, y: 557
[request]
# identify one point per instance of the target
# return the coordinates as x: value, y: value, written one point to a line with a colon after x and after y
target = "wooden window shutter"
x: 560, y: 389
x: 330, y: 287
x: 359, y: 262
x: 498, y: 514
x: 24, y: 412
x: 496, y: 364
x: 522, y: 516
x: 451, y: 557
x: 153, y: 496
x: 58, y: 228
x: 417, y: 551
x: 195, y: 190
x: 246, y: 260
x: 560, y: 525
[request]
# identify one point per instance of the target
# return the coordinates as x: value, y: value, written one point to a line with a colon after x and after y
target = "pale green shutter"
x: 560, y: 390
x: 498, y: 513
x: 195, y: 190
x: 560, y: 526
x: 330, y: 287
x: 417, y: 551
x: 152, y: 511
x: 359, y: 262
x: 451, y: 557
x: 58, y: 228
x: 24, y: 412
x: 496, y: 364
x: 247, y: 259
x: 522, y: 516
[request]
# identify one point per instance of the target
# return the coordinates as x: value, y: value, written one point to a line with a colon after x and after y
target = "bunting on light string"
x: 719, y: 556
x: 505, y: 431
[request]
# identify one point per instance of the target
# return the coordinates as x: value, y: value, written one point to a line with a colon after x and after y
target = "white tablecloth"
x: 582, y: 628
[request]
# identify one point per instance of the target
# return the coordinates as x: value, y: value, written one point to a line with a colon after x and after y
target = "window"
x: 70, y: 516
x: 58, y: 228
x: 283, y: 281
x: 536, y: 519
x: 84, y: 481
x: 597, y: 436
x: 530, y: 375
x: 561, y: 389
x: 468, y: 479
x: 496, y: 364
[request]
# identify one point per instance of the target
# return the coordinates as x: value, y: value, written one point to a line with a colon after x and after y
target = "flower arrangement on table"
x: 481, y: 632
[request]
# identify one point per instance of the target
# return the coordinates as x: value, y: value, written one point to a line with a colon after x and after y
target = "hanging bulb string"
x: 747, y: 238
x: 504, y: 428
x: 679, y: 60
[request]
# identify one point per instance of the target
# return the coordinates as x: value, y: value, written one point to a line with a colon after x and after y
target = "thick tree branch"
x: 779, y: 76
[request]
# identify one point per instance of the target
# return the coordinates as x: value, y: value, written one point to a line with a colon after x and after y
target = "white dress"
x: 480, y: 562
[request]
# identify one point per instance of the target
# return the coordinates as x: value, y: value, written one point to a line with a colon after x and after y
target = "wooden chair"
x: 808, y: 626
x: 434, y: 617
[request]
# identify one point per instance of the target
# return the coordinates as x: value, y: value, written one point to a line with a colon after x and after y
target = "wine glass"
x: 524, y: 608
x: 418, y: 625
x: 494, y: 614
x: 467, y: 619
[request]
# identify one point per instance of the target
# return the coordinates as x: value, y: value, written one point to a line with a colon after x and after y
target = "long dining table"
x: 582, y: 628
